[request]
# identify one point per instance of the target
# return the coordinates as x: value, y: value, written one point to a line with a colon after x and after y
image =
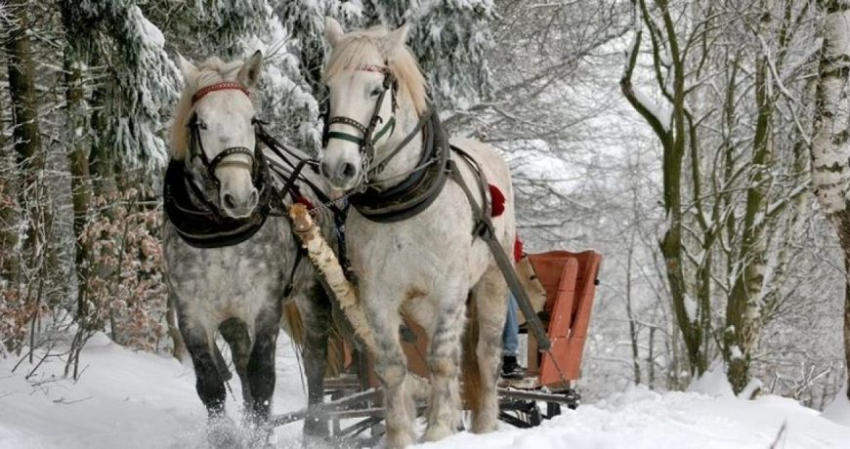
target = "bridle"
x: 197, y: 143
x: 366, y: 141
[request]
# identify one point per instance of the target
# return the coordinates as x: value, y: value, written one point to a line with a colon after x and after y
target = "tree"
x: 78, y: 46
x: 830, y: 148
x: 731, y: 181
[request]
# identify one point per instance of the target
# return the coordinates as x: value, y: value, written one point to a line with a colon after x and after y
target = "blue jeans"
x: 510, y: 334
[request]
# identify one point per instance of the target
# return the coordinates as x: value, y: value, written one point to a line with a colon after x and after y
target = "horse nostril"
x: 326, y: 169
x: 229, y: 202
x: 348, y: 170
x: 255, y: 198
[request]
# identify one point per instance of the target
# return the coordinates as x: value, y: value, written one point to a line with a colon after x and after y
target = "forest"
x: 700, y: 146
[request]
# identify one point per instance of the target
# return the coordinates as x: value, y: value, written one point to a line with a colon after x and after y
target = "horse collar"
x: 416, y: 192
x: 204, y: 226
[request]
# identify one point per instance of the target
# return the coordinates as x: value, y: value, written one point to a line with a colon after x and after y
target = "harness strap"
x: 218, y: 160
x: 380, y: 166
x: 227, y: 85
x: 484, y: 228
x: 366, y: 142
x: 211, y: 165
x: 278, y: 149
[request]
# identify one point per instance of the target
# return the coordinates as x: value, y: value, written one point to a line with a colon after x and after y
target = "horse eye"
x: 376, y: 91
x: 202, y: 124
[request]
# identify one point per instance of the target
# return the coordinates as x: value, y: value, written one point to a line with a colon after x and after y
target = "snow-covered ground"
x: 126, y: 399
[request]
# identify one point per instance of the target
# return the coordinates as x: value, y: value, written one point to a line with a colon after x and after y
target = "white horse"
x: 422, y: 261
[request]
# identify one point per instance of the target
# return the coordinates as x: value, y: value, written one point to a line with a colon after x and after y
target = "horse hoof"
x: 261, y: 438
x: 487, y: 426
x: 436, y: 433
x: 400, y: 441
x: 223, y: 433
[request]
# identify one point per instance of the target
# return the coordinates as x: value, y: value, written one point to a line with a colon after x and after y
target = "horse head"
x: 375, y: 86
x: 213, y: 132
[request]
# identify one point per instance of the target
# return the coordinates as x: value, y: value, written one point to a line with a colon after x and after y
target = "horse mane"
x: 354, y: 47
x: 210, y: 72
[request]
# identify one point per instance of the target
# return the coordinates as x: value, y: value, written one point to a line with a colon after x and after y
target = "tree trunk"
x: 746, y: 300
x: 26, y: 137
x: 101, y: 160
x: 30, y: 162
x: 9, y: 260
x: 830, y: 147
x: 78, y: 135
x: 27, y: 140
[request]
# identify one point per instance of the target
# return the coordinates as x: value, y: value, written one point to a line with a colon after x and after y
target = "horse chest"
x: 432, y: 251
x: 219, y: 283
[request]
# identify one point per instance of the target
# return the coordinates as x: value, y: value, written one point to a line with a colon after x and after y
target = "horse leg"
x: 235, y: 333
x: 443, y: 361
x: 261, y: 375
x: 491, y: 301
x: 391, y: 369
x: 209, y: 384
x: 315, y: 309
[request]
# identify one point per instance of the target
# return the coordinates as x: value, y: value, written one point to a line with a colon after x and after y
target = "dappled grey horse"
x: 229, y: 262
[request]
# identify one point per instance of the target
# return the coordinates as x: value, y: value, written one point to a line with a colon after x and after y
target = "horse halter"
x: 366, y: 143
x: 196, y: 126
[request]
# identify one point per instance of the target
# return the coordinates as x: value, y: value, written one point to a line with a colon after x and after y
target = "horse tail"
x: 471, y: 374
x: 293, y: 323
x: 336, y: 352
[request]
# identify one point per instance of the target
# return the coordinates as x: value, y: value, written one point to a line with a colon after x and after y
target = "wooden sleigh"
x: 569, y: 281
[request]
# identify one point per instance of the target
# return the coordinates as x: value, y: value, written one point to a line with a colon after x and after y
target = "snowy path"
x: 136, y: 400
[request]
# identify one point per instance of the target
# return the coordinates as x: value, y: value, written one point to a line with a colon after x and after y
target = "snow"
x: 128, y: 399
x: 713, y: 382
x: 839, y: 410
x: 123, y: 399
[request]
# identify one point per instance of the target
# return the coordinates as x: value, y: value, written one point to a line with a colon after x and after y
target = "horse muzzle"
x: 342, y: 175
x: 239, y: 203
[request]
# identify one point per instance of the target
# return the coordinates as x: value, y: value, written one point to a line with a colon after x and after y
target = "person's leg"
x: 510, y: 343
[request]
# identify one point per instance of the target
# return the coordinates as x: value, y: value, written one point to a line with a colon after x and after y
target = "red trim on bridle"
x: 227, y: 85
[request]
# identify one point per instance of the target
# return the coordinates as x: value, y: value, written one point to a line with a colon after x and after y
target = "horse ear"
x: 187, y: 68
x: 396, y: 38
x: 333, y: 31
x: 249, y: 74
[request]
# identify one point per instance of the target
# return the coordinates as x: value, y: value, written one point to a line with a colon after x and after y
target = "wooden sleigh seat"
x: 570, y: 281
